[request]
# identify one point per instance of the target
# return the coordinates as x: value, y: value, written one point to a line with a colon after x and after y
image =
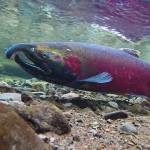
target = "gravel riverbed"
x: 63, y: 118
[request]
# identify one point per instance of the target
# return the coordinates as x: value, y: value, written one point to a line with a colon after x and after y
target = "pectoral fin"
x: 100, y: 78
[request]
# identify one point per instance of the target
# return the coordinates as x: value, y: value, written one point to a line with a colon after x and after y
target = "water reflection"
x: 131, y: 18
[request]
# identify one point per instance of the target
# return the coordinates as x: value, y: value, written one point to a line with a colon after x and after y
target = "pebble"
x: 39, y: 86
x: 25, y: 89
x: 51, y: 91
x: 27, y: 83
x: 3, y: 83
x: 62, y: 90
x: 69, y: 96
x: 95, y: 125
x: 42, y: 97
x: 16, y: 103
x: 135, y: 100
x: 138, y: 109
x: 47, y: 139
x: 115, y: 115
x: 68, y: 105
x: 113, y: 104
x: 56, y: 147
x: 128, y: 127
x: 4, y: 102
x: 76, y: 138
x: 9, y: 81
x: 147, y: 147
x: 10, y: 96
x: 145, y: 103
x: 34, y: 80
x: 93, y: 131
x: 52, y: 139
x: 26, y: 98
x: 39, y: 93
x: 112, y: 95
x: 44, y: 138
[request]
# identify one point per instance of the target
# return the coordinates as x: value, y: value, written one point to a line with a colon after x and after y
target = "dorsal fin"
x: 132, y: 52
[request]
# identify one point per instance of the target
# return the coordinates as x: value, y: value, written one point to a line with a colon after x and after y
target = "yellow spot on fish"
x: 60, y: 52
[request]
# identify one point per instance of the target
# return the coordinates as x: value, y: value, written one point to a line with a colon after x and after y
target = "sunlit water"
x: 122, y: 23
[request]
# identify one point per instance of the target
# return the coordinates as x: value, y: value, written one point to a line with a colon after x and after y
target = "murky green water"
x: 31, y: 21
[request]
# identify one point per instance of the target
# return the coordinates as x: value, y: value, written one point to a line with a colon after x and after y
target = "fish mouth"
x: 33, y: 66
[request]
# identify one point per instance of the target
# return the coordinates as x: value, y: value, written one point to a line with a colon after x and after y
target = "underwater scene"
x: 121, y: 24
x: 74, y: 74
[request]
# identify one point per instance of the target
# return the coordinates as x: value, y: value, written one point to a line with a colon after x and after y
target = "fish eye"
x: 32, y: 49
x: 44, y: 55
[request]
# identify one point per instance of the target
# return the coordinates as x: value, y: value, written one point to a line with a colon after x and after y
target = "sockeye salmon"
x: 85, y: 66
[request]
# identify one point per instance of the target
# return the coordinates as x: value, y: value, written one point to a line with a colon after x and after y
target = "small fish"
x: 85, y: 66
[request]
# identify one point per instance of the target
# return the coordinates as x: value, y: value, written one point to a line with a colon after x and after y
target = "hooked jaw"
x: 27, y: 58
x: 18, y: 48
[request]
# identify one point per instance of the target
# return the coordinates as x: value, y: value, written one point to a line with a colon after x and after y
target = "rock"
x: 46, y: 139
x: 128, y: 127
x: 39, y: 93
x: 51, y: 91
x: 34, y: 80
x: 42, y: 97
x: 138, y: 109
x: 93, y: 131
x: 112, y: 95
x: 62, y: 90
x: 10, y: 96
x: 25, y: 89
x: 3, y: 83
x: 9, y: 93
x: 15, y: 133
x: 16, y: 103
x: 67, y: 114
x: 95, y: 125
x: 56, y: 147
x: 45, y: 117
x: 4, y: 102
x: 26, y: 83
x: 147, y: 147
x: 108, y: 109
x: 26, y: 98
x: 70, y: 96
x: 7, y: 89
x: 145, y: 103
x: 39, y: 86
x: 135, y: 100
x: 113, y: 104
x: 76, y: 138
x: 67, y: 105
x: 83, y: 103
x: 116, y: 115
x: 9, y: 81
x: 89, y: 111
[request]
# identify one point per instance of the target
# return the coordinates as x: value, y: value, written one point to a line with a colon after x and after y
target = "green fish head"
x: 44, y: 61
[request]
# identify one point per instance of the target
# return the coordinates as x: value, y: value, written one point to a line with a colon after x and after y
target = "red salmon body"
x: 124, y: 71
